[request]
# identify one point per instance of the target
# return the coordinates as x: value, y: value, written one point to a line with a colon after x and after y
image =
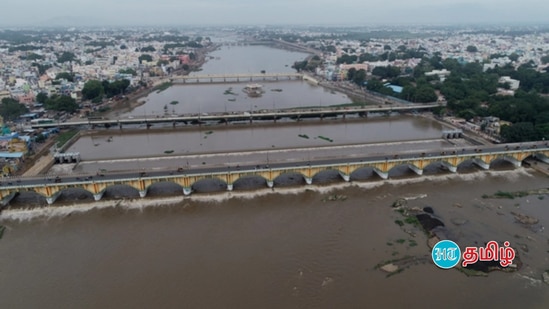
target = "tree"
x: 66, y: 57
x: 11, y: 109
x: 128, y: 71
x: 514, y: 57
x: 359, y: 77
x: 41, y: 97
x: 62, y: 103
x: 374, y: 85
x: 65, y: 75
x: 145, y: 57
x: 149, y: 48
x: 92, y: 89
x: 519, y: 132
x: 472, y: 49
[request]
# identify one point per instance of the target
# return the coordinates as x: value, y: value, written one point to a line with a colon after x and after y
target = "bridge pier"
x: 270, y: 183
x: 543, y: 158
x: 309, y: 180
x: 382, y: 174
x: 514, y: 161
x: 450, y: 167
x: 481, y: 163
x: 187, y: 190
x: 230, y: 187
x: 416, y: 169
x: 53, y: 198
x: 98, y: 196
x: 6, y: 200
x: 142, y: 193
x: 345, y: 177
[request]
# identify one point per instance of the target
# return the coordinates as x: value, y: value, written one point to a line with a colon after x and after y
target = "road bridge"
x: 381, y: 165
x: 273, y: 115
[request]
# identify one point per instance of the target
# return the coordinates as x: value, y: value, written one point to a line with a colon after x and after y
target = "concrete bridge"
x: 236, y: 78
x: 274, y: 115
x: 417, y: 162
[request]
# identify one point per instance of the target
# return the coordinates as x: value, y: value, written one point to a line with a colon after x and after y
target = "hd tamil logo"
x: 446, y: 254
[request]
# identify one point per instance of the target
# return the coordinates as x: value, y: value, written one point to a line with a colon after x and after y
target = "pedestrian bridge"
x: 381, y: 166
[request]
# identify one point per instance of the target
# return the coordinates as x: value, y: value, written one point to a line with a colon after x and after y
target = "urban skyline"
x: 216, y: 12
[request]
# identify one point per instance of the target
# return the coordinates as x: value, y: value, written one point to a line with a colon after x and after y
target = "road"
x: 251, y: 167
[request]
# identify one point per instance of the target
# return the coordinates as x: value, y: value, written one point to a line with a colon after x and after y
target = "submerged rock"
x: 524, y: 219
x: 545, y: 276
x: 389, y: 268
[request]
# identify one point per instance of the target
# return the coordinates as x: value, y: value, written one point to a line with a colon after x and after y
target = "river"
x: 284, y: 248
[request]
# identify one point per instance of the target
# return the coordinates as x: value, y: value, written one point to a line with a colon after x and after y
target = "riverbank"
x: 134, y: 100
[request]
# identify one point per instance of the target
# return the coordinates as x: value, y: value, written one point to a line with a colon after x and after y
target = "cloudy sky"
x: 329, y: 12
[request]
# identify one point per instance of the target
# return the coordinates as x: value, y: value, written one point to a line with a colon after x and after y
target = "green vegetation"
x: 412, y: 220
x: 11, y: 109
x: 61, y: 103
x: 66, y: 57
x: 65, y: 75
x: 92, y: 89
x: 145, y: 57
x: 128, y: 71
x: 168, y: 151
x: 469, y: 91
x: 518, y: 194
x: 174, y: 102
x: 162, y: 87
x: 64, y: 137
x: 400, y: 241
x: 399, y: 222
x: 303, y: 136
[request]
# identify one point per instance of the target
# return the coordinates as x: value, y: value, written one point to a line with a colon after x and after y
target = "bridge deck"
x: 240, y: 116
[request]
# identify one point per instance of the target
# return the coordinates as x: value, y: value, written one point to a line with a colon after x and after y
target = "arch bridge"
x: 482, y: 157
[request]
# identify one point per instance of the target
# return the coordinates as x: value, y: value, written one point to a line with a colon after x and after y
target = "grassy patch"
x: 64, y: 137
x: 389, y: 243
x: 162, y: 87
x: 304, y: 136
x: 399, y: 222
x: 411, y: 220
x: 174, y: 102
x: 412, y: 243
x: 400, y: 241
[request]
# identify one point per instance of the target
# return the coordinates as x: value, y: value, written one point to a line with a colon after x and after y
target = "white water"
x: 45, y: 213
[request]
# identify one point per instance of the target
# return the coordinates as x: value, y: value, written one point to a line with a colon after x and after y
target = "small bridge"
x: 417, y: 162
x: 449, y: 134
x: 235, y: 78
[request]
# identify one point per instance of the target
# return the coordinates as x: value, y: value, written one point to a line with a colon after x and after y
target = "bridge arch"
x: 208, y: 184
x: 288, y: 179
x: 116, y: 191
x: 249, y: 182
x: 164, y: 188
